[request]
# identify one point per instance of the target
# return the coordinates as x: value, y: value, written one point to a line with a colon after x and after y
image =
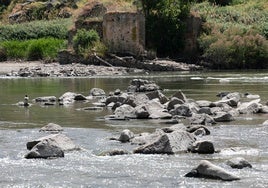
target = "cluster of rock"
x: 144, y: 100
x: 70, y: 70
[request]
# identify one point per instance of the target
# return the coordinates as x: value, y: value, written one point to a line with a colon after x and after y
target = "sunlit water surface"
x: 88, y: 129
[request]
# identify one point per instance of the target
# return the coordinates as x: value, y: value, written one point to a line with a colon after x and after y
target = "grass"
x: 34, y: 49
x: 36, y: 29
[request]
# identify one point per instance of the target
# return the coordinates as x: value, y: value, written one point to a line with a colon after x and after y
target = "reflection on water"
x: 246, y: 136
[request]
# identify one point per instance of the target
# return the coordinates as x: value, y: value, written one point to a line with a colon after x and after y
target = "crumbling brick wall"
x: 124, y: 32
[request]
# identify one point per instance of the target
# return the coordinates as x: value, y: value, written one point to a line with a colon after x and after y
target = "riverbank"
x: 55, y: 69
x: 42, y: 69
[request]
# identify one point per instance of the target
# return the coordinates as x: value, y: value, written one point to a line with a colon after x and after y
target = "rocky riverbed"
x: 192, y: 120
x: 43, y: 69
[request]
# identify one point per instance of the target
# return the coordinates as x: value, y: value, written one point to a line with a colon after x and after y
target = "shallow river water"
x: 245, y: 137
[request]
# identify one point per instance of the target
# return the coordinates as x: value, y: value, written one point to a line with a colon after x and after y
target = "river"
x: 88, y: 129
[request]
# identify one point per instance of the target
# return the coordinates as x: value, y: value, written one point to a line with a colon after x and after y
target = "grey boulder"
x: 206, y: 169
x: 167, y: 143
x: 239, y: 163
x: 45, y: 149
x: 60, y: 140
x: 51, y: 127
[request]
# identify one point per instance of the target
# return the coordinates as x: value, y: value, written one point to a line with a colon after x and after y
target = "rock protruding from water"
x: 202, y: 147
x: 140, y: 85
x: 45, y: 149
x: 166, y: 143
x: 70, y: 97
x: 239, y: 163
x: 206, y: 169
x: 126, y: 135
x: 114, y: 152
x: 51, y: 127
x: 60, y: 140
x: 97, y: 92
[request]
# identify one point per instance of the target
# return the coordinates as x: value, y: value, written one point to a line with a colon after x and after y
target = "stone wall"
x: 124, y: 32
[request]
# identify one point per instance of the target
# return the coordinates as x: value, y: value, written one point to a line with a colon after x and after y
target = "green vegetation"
x: 234, y: 36
x: 85, y: 42
x: 165, y: 25
x: 36, y: 29
x: 34, y: 49
x: 234, y: 32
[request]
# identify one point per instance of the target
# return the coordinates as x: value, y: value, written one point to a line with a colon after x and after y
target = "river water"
x: 245, y: 137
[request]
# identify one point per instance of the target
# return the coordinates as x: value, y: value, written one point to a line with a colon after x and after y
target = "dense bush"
x: 234, y: 36
x: 165, y: 25
x: 84, y: 40
x: 34, y: 49
x: 36, y: 29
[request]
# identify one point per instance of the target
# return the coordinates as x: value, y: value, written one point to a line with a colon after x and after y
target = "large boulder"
x: 206, y: 169
x: 182, y: 110
x: 201, y: 119
x: 194, y: 128
x: 232, y: 99
x: 202, y: 147
x: 168, y: 143
x: 117, y: 99
x: 157, y: 110
x: 70, y: 97
x: 239, y: 163
x: 60, y: 140
x: 97, y: 92
x: 51, y: 127
x: 249, y: 107
x: 125, y: 111
x: 126, y: 135
x: 45, y: 149
x: 223, y: 117
x: 142, y: 112
x: 174, y: 101
x: 157, y: 94
x: 180, y: 95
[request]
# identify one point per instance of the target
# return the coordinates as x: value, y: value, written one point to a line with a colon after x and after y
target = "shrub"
x: 248, y: 50
x: 35, y: 51
x: 84, y: 40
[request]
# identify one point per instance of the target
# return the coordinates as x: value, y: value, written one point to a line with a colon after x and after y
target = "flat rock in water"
x: 114, y: 152
x: 206, y: 169
x: 46, y: 99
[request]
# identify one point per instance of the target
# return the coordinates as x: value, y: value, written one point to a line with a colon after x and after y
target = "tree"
x: 165, y: 25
